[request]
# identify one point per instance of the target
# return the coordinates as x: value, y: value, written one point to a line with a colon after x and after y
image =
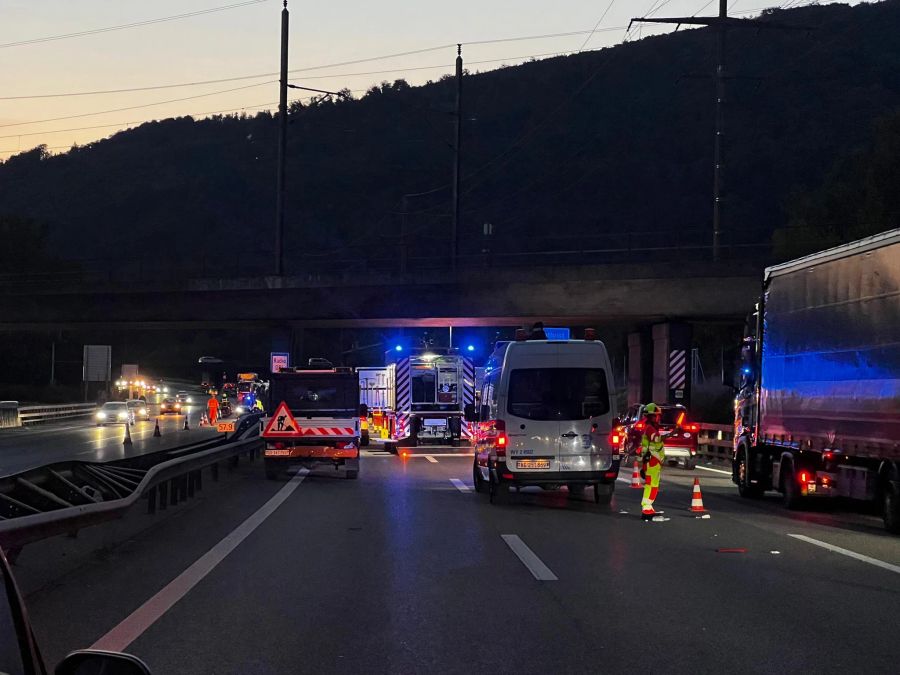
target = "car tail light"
x: 693, y: 428
x: 611, y: 474
x: 276, y: 446
x: 639, y: 426
x: 807, y: 477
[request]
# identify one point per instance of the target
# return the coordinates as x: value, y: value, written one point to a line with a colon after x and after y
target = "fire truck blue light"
x: 470, y: 348
x: 398, y: 348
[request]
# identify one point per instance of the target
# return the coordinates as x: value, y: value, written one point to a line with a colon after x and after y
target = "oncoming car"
x: 114, y: 412
x: 547, y: 418
x: 169, y: 405
x: 139, y: 409
x: 183, y: 398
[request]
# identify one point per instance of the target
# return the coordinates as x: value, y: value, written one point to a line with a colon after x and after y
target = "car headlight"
x: 143, y: 411
x: 178, y: 405
x: 165, y: 390
x: 101, y: 415
x: 123, y: 416
x: 239, y: 410
x: 190, y: 400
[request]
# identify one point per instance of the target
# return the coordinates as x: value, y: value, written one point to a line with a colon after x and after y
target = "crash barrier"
x: 9, y: 414
x: 716, y: 440
x: 36, y: 414
x: 66, y: 497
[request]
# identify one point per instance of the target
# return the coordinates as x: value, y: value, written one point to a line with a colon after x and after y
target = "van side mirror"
x: 469, y: 412
x: 91, y: 661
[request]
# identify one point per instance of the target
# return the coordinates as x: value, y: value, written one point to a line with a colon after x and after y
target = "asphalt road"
x: 81, y: 439
x: 406, y: 570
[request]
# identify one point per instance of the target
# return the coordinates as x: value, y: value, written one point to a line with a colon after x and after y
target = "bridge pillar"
x: 639, y: 367
x: 671, y: 363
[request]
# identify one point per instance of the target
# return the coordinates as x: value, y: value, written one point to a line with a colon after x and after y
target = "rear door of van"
x: 528, y: 408
x: 584, y: 407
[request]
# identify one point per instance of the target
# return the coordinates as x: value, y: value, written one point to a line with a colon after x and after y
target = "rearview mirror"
x: 96, y: 662
x: 469, y: 412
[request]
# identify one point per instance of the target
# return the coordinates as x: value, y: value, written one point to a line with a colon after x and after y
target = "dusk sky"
x: 244, y: 40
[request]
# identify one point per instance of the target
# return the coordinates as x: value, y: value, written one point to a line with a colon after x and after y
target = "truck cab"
x: 314, y: 420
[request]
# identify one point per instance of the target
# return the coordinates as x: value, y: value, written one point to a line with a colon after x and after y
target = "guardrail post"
x: 173, y: 489
x: 189, y: 479
x: 151, y: 500
x: 198, y: 480
x: 163, y: 496
x: 215, y: 472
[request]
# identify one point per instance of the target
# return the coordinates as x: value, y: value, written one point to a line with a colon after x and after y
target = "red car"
x: 679, y: 433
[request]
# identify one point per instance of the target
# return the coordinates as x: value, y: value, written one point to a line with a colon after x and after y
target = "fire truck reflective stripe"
x: 468, y: 394
x: 404, y: 398
x: 677, y: 369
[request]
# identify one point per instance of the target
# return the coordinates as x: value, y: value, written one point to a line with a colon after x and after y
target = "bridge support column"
x: 639, y: 368
x: 671, y: 363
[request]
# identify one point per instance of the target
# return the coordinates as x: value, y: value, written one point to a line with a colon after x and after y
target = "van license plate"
x: 533, y: 464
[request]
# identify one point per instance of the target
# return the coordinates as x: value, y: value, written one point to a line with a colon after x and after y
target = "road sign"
x: 279, y: 360
x: 282, y: 424
x: 225, y: 427
x: 97, y: 363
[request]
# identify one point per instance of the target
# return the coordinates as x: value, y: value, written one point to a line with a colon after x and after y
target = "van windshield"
x: 558, y: 393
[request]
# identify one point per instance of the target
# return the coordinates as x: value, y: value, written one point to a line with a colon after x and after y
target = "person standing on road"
x: 212, y: 407
x: 653, y: 456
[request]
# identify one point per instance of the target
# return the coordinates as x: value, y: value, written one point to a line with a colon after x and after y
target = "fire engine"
x: 419, y: 398
x: 314, y: 419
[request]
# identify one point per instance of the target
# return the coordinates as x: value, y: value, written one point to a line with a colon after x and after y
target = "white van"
x: 547, y: 418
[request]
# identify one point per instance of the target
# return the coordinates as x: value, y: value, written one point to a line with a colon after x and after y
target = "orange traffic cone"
x: 203, y: 420
x: 636, y: 476
x: 697, y: 498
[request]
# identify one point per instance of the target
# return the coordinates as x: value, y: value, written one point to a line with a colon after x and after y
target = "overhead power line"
x: 134, y: 107
x: 125, y: 26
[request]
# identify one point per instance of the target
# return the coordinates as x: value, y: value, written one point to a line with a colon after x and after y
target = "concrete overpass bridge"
x: 570, y: 294
x: 657, y: 303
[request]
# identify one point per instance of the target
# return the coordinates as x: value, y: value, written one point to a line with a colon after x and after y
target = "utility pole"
x: 454, y: 244
x: 282, y: 145
x: 722, y: 23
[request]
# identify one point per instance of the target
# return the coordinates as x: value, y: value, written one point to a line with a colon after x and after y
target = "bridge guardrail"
x: 35, y: 414
x: 716, y: 440
x: 163, y: 484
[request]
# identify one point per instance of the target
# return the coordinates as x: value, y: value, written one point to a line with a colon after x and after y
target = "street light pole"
x: 282, y: 145
x: 454, y: 244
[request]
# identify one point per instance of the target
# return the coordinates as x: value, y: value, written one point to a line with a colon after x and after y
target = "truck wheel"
x: 272, y: 471
x: 602, y: 495
x: 791, y: 497
x: 891, y: 504
x: 477, y: 480
x: 352, y: 474
x: 745, y: 488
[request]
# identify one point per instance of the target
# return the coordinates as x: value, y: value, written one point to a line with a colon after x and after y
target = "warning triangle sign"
x: 282, y: 423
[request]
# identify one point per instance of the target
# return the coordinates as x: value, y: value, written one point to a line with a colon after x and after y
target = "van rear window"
x: 558, y: 393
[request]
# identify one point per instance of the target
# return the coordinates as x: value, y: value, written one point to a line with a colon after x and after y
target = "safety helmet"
x: 652, y: 409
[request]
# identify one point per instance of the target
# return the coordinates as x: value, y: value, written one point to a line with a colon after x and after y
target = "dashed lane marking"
x: 848, y: 553
x: 431, y: 459
x: 459, y: 485
x: 529, y: 558
x: 707, y: 468
x: 147, y: 614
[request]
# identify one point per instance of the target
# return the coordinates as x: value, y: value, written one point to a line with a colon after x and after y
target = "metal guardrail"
x: 63, y: 498
x: 716, y: 440
x: 35, y: 414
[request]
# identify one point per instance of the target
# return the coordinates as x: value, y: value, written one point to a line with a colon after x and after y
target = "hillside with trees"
x: 598, y: 150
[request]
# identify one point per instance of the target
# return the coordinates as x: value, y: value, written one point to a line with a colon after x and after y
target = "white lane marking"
x: 147, y: 614
x: 528, y: 557
x: 444, y: 454
x: 462, y: 487
x: 706, y: 468
x: 848, y: 553
x: 431, y: 459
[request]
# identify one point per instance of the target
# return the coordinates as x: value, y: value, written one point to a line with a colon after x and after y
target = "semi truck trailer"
x: 817, y: 412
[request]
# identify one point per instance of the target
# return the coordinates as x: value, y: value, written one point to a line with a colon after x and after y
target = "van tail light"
x: 501, y: 440
x: 616, y: 437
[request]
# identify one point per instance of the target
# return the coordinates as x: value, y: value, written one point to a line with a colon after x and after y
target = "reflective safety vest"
x: 653, y: 445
